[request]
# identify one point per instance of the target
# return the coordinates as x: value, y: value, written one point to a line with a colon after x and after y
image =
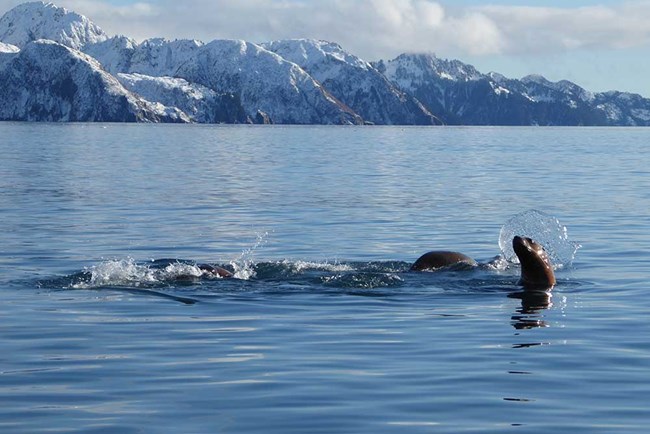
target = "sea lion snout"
x: 525, y: 243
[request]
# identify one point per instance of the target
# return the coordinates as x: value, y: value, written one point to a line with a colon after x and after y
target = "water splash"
x: 126, y: 272
x: 543, y: 228
x: 363, y: 280
x: 244, y: 265
x: 300, y: 266
x: 498, y: 263
x: 176, y: 270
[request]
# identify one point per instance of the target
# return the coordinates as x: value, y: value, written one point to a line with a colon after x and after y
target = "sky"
x: 600, y: 45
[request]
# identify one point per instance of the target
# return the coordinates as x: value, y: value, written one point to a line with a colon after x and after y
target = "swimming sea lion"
x: 438, y: 259
x: 213, y: 270
x: 536, y: 268
x: 208, y: 271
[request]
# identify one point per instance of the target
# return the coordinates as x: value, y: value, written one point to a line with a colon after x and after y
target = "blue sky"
x: 600, y: 44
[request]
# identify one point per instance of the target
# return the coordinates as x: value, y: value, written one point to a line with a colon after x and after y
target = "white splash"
x: 244, y: 265
x: 126, y: 272
x: 544, y: 229
x: 118, y: 272
x: 177, y: 269
x: 498, y: 263
x: 300, y: 266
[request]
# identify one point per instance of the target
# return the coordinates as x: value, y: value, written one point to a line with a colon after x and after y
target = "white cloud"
x: 474, y: 33
x: 540, y: 29
x: 381, y: 28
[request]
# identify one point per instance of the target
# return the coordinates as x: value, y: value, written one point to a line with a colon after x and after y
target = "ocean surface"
x: 106, y: 325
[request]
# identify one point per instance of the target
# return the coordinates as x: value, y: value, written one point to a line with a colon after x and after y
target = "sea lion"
x: 536, y: 268
x: 213, y: 270
x: 438, y: 259
x: 207, y: 271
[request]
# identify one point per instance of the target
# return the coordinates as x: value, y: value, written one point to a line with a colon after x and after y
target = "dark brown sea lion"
x: 438, y: 259
x: 213, y: 270
x: 536, y: 267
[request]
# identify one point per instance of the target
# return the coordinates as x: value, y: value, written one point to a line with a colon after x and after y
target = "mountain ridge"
x: 47, y: 81
x: 294, y: 81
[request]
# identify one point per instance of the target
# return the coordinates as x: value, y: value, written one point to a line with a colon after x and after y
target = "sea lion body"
x: 536, y: 268
x: 439, y: 259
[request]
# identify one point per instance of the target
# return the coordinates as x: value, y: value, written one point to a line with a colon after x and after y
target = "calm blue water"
x: 325, y: 331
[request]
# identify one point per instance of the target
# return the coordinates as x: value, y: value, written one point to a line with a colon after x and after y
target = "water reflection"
x: 528, y: 316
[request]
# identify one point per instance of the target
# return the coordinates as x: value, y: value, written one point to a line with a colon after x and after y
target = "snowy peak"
x: 38, y: 20
x: 563, y: 86
x: 428, y: 67
x: 178, y: 44
x: 536, y: 79
x: 460, y: 94
x: 259, y: 80
x: 541, y: 89
x: 265, y: 82
x: 161, y: 57
x: 497, y: 78
x: 353, y: 81
x: 153, y: 57
x: 310, y: 52
x: 114, y: 54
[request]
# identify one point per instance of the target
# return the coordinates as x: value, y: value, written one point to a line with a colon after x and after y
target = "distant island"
x: 57, y: 65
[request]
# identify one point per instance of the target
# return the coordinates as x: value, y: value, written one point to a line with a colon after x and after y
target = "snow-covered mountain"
x: 265, y: 82
x: 354, y: 81
x: 58, y: 65
x: 622, y: 108
x: 459, y: 94
x: 37, y: 20
x: 153, y: 57
x: 199, y: 103
x: 261, y: 80
x: 46, y: 81
x: 114, y: 54
x: 229, y: 75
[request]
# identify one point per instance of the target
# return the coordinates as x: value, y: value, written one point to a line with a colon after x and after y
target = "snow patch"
x: 499, y: 90
x: 612, y: 112
x: 8, y: 48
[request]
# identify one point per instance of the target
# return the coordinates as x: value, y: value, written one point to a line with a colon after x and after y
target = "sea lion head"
x: 536, y: 267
